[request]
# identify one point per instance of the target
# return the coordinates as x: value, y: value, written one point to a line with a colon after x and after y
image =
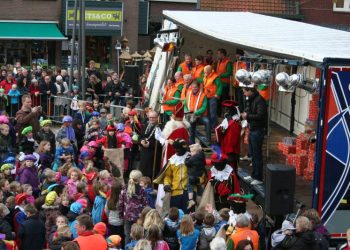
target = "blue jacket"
x: 99, y: 205
x: 188, y: 242
x: 150, y: 198
x: 131, y: 245
x: 14, y: 94
x: 72, y: 228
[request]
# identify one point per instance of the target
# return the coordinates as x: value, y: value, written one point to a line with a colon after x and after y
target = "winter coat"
x: 14, y: 94
x: 32, y: 234
x: 309, y: 240
x: 206, y: 236
x: 256, y: 112
x: 47, y: 136
x: 130, y: 208
x: 280, y: 241
x: 51, y: 213
x: 45, y: 160
x: 29, y: 175
x: 5, y: 228
x: 196, y: 165
x: 169, y: 233
x: 66, y: 132
x: 27, y: 118
x: 71, y: 223
x: 57, y: 243
x: 5, y: 144
x: 72, y: 188
x: 98, y: 208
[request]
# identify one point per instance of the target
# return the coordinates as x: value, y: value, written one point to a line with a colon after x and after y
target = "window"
x: 341, y: 5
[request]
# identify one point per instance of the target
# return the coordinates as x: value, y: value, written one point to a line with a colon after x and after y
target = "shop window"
x: 341, y: 5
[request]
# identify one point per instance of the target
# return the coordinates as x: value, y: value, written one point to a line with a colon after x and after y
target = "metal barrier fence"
x: 57, y: 106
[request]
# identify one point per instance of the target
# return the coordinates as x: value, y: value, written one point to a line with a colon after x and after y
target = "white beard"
x: 172, y: 125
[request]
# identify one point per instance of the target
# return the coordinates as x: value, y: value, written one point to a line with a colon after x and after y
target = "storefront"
x: 103, y: 26
x: 29, y: 42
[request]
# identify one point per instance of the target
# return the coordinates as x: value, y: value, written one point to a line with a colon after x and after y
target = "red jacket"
x: 6, y: 85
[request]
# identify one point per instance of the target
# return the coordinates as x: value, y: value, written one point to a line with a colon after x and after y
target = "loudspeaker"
x: 131, y: 76
x: 279, y: 189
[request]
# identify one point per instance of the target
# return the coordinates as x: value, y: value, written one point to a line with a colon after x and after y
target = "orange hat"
x: 114, y: 240
x: 100, y: 228
x: 20, y: 198
x: 179, y: 110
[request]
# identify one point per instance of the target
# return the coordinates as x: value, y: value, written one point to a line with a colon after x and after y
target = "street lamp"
x: 118, y: 48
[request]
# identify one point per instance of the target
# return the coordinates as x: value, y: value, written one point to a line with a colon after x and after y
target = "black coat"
x: 148, y: 155
x: 32, y: 234
x: 196, y: 165
x: 5, y: 228
x: 309, y: 240
x: 256, y: 110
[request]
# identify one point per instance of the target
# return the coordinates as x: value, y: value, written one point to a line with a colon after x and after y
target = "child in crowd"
x: 115, y: 222
x: 100, y: 228
x: 27, y: 145
x: 50, y: 179
x: 74, y: 175
x: 63, y: 234
x: 131, y: 202
x: 66, y: 131
x: 74, y: 105
x: 145, y: 183
x: 187, y: 234
x: 136, y: 234
x: 64, y: 205
x: 171, y: 225
x: 28, y: 191
x: 5, y: 141
x: 46, y: 134
x: 6, y: 170
x: 208, y: 232
x: 28, y: 173
x: 114, y: 242
x: 196, y: 168
x: 103, y: 118
x: 3, y: 100
x: 5, y: 188
x: 14, y: 99
x: 44, y: 151
x: 65, y: 148
x: 106, y: 178
x: 100, y: 190
x: 82, y: 113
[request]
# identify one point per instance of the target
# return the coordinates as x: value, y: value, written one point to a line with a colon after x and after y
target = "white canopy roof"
x: 265, y: 34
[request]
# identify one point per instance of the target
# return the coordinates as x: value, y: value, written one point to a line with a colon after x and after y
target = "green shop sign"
x: 99, y: 18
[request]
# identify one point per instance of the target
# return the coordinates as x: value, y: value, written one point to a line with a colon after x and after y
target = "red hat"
x: 110, y: 128
x: 217, y: 158
x: 132, y: 113
x: 229, y: 104
x: 100, y: 228
x: 179, y: 110
x: 20, y: 198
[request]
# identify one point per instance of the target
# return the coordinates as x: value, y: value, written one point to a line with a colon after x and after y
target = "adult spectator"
x: 115, y: 89
x: 87, y: 239
x: 32, y: 231
x: 306, y: 238
x: 186, y: 66
x: 94, y: 87
x: 224, y: 70
x: 256, y: 115
x: 28, y: 116
x: 317, y: 225
x: 196, y: 106
x: 47, y: 89
x: 3, y: 74
x: 7, y: 83
x: 212, y: 89
x: 179, y: 80
x: 243, y: 232
x: 92, y: 70
x: 150, y: 148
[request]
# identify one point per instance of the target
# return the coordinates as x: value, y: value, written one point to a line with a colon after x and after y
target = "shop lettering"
x: 98, y: 15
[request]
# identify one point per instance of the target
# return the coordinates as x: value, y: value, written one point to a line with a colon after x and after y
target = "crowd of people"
x: 105, y: 182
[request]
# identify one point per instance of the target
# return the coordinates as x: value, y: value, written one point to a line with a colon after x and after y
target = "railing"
x: 57, y: 106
